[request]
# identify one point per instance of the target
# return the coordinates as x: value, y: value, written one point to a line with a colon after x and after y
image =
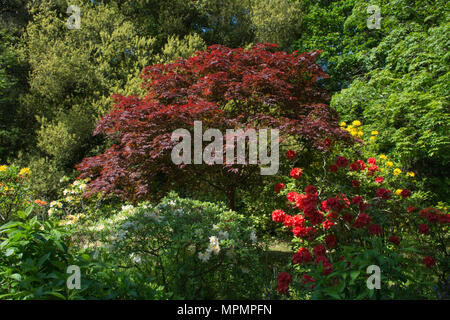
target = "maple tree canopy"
x: 223, y: 88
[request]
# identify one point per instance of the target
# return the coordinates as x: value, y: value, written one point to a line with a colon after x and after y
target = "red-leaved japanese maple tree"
x: 223, y: 88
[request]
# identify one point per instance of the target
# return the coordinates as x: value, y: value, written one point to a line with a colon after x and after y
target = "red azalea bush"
x: 345, y: 222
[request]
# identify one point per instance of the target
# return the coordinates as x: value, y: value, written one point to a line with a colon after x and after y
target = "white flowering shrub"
x: 196, y: 250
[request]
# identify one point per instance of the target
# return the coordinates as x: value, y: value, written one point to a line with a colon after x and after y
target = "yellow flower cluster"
x: 353, y: 129
x: 24, y: 171
x: 3, y: 168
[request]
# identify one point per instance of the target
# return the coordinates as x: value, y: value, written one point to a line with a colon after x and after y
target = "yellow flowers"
x: 410, y: 174
x: 342, y: 124
x: 373, y: 138
x: 397, y: 172
x: 398, y: 191
x: 374, y: 133
x: 24, y: 171
x: 356, y: 123
x: 383, y: 157
x: 3, y: 168
x: 389, y: 164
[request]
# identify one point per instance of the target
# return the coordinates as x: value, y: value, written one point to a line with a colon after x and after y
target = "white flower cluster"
x: 54, y: 206
x: 214, y: 246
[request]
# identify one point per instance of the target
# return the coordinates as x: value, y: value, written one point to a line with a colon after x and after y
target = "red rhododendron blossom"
x: 288, y: 221
x: 375, y: 229
x: 307, y: 278
x: 310, y: 190
x: 383, y: 193
x: 278, y: 216
x: 319, y: 250
x: 327, y: 224
x: 299, y: 221
x: 363, y: 206
x: 331, y: 240
x: 290, y: 154
x: 299, y: 201
x: 283, y: 288
x: 395, y: 240
x: 371, y: 161
x: 357, y: 200
x: 291, y: 196
x: 283, y: 283
x: 296, y: 173
x: 302, y: 256
x: 344, y: 198
x: 361, y: 220
x: 355, y: 183
x: 373, y: 168
x: 424, y: 229
x: 284, y: 277
x: 316, y: 218
x: 341, y: 162
x: 333, y: 168
x: 430, y: 214
x: 379, y: 179
x: 429, y: 261
x: 304, y: 233
x: 332, y: 215
x: 354, y: 166
x: 361, y: 163
x: 405, y: 193
x: 278, y: 187
x: 327, y: 266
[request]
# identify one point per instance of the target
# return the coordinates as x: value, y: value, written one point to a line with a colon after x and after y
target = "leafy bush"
x: 354, y: 214
x: 196, y: 250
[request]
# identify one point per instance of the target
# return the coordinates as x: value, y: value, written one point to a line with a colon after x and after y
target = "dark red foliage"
x: 223, y: 88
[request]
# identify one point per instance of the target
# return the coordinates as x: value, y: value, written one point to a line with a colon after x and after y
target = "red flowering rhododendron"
x: 278, y: 216
x: 331, y: 223
x: 296, y: 173
x: 284, y: 279
x: 341, y: 162
x: 302, y: 256
x: 290, y: 154
x: 331, y: 240
x: 405, y: 193
x: 306, y: 279
x: 278, y: 187
x: 319, y: 250
x: 379, y: 179
x: 310, y: 190
x: 333, y: 168
x: 361, y: 220
x: 383, y: 193
x: 354, y: 166
x: 361, y: 164
x: 292, y: 196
